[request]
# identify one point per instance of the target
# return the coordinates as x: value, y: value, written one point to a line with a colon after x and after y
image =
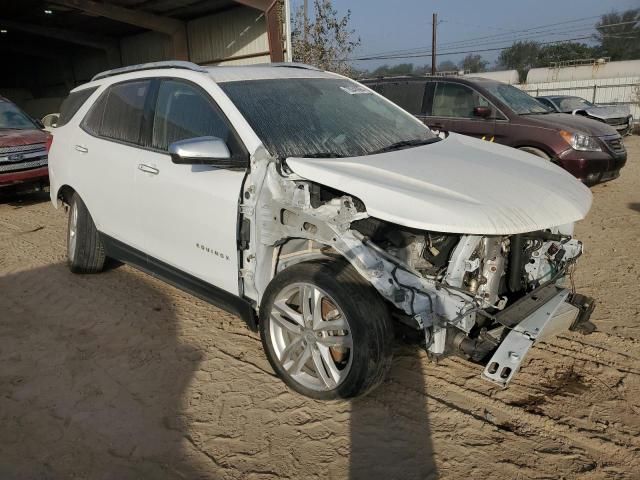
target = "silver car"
x: 618, y: 116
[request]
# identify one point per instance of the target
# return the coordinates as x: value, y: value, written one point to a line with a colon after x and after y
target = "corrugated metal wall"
x: 145, y: 47
x: 236, y: 36
x: 241, y: 32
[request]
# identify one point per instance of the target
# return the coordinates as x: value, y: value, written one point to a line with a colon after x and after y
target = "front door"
x: 190, y: 212
x: 452, y: 110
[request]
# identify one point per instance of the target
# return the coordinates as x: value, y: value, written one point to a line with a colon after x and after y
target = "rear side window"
x: 72, y: 104
x: 119, y: 112
x: 184, y: 111
x: 408, y: 94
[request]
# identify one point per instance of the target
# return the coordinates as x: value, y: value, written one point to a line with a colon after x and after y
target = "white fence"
x: 618, y: 91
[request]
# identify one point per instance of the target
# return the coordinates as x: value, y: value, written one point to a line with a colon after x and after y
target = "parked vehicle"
x: 618, y: 116
x: 320, y: 212
x: 501, y: 113
x: 23, y: 149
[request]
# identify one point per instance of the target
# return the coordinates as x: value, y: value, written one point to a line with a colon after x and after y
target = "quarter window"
x: 184, y: 111
x: 455, y: 100
x: 72, y: 104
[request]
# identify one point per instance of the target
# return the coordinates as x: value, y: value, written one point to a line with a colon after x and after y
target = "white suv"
x: 323, y: 214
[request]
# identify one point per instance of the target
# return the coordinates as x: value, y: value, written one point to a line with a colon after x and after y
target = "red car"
x: 592, y: 151
x: 24, y: 148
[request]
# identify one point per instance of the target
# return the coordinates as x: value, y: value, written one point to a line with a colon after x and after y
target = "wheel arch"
x: 64, y: 194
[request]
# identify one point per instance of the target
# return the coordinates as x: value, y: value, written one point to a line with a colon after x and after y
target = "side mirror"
x: 200, y: 151
x: 482, y: 112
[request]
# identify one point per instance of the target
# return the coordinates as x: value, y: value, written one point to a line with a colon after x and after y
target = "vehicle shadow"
x: 17, y: 198
x: 96, y: 383
x: 635, y: 206
x: 390, y: 431
x: 390, y: 435
x: 93, y: 378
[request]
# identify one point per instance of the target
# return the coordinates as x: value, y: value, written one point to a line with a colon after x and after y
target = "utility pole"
x: 306, y: 21
x: 433, y: 43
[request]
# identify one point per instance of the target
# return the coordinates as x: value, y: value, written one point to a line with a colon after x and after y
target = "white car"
x: 323, y: 214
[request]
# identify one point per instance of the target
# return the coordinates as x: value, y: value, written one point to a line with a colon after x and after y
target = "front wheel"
x: 326, y: 331
x: 535, y: 151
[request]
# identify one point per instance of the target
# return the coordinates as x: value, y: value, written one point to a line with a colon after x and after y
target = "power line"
x: 420, y: 52
x: 540, y: 30
x: 426, y: 54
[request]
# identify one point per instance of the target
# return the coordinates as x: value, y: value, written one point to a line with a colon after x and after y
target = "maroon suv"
x: 23, y: 148
x: 501, y: 113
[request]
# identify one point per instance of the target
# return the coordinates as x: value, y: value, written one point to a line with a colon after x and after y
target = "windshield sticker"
x: 355, y: 90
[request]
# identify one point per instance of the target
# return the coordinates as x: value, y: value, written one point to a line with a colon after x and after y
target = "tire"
x: 85, y: 252
x: 348, y: 360
x: 535, y: 151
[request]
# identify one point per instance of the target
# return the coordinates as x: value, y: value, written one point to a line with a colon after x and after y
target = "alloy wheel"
x: 311, y: 337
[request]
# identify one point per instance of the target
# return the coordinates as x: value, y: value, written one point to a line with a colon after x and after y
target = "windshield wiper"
x: 322, y: 155
x: 406, y: 143
x: 537, y: 113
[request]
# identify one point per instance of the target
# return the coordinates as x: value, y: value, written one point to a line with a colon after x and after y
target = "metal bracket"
x: 552, y: 317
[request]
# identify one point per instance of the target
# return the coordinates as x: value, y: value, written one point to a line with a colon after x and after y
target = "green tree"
x: 521, y: 56
x: 619, y: 35
x: 565, y: 51
x: 400, y: 69
x: 473, y: 63
x: 328, y: 41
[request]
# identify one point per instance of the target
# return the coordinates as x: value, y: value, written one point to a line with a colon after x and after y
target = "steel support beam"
x: 175, y: 28
x: 109, y: 45
x: 274, y: 27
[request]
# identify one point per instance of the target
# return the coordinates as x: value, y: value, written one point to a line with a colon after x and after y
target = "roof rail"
x: 151, y: 66
x: 293, y: 65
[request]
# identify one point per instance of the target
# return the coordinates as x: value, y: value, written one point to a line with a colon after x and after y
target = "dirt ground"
x: 119, y: 376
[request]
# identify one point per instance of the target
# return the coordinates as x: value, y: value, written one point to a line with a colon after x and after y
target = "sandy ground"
x: 119, y: 376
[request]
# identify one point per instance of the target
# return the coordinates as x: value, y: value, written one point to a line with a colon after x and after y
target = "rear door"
x: 452, y: 110
x: 189, y: 213
x: 106, y: 150
x: 406, y: 93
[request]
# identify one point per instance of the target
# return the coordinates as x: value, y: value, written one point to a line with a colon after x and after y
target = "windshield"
x: 323, y: 117
x: 520, y: 102
x: 12, y: 117
x: 569, y: 104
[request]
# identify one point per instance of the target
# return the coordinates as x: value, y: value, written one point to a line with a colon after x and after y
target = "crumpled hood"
x: 606, y: 112
x: 457, y: 185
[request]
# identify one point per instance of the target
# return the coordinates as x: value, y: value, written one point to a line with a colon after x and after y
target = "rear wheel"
x: 535, y: 151
x: 85, y: 251
x: 325, y: 331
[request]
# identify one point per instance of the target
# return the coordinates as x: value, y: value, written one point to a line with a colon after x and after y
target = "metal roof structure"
x: 99, y: 25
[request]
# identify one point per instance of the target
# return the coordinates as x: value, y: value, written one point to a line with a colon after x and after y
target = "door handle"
x: 148, y: 169
x: 81, y: 149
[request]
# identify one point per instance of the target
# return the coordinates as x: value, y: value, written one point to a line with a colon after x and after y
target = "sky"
x: 385, y: 25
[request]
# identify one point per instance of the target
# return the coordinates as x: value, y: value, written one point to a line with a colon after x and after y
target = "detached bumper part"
x: 560, y: 311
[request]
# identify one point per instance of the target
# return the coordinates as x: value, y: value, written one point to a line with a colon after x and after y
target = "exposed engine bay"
x: 474, y: 295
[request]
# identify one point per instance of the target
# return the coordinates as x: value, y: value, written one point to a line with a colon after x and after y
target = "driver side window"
x: 183, y: 112
x: 457, y: 101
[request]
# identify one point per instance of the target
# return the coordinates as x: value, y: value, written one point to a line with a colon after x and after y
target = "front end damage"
x: 486, y: 297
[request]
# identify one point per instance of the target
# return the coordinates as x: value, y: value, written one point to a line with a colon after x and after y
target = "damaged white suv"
x: 323, y: 214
